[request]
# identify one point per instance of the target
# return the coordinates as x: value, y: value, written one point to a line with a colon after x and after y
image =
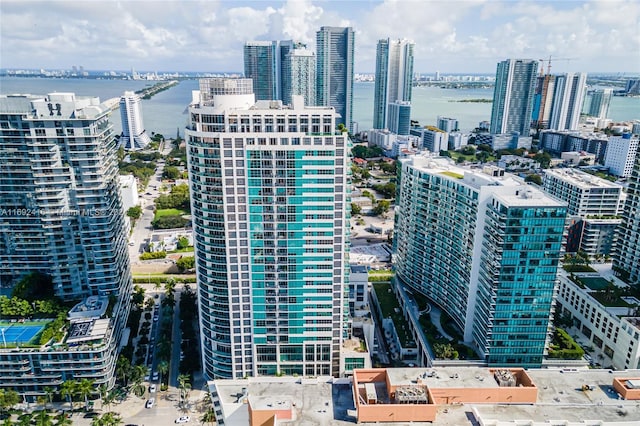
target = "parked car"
x: 152, y: 388
x: 183, y: 419
x: 150, y: 402
x: 155, y: 376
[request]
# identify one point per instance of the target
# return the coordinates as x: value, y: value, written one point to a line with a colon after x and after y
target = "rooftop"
x: 582, y: 179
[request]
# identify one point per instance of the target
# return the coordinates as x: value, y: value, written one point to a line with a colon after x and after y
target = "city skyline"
x: 467, y: 37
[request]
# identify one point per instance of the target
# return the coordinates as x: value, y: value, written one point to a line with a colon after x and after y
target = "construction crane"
x: 549, y: 63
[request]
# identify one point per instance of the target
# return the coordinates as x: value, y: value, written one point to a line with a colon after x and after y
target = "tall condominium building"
x: 298, y: 74
x: 558, y: 100
x: 513, y: 96
x: 280, y: 70
x: 596, y: 205
x: 334, y: 71
x: 484, y: 246
x: 261, y: 64
x: 269, y: 190
x: 599, y: 103
x: 626, y: 260
x: 61, y: 215
x: 133, y: 136
x: 394, y: 75
x: 568, y: 97
x: 621, y: 153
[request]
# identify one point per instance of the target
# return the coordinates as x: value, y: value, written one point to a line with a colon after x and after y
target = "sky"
x: 452, y: 36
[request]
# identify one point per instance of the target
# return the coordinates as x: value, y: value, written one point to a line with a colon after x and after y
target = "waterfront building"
x: 62, y: 216
x: 394, y: 78
x: 391, y: 143
x: 447, y: 124
x: 599, y: 101
x: 269, y: 194
x: 457, y: 140
x: 334, y: 72
x: 558, y: 100
x: 621, y: 153
x: 134, y: 136
x: 513, y: 96
x: 626, y: 260
x: 399, y: 117
x: 596, y: 203
x: 483, y: 246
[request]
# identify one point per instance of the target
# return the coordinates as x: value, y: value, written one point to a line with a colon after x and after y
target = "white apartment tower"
x: 568, y: 98
x: 269, y: 190
x: 621, y: 153
x: 394, y: 77
x: 133, y: 136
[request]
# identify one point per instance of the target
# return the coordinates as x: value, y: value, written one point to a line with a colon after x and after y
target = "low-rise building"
x: 578, y: 158
x: 606, y: 319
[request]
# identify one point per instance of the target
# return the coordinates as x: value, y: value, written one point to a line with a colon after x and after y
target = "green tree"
x: 8, y: 398
x: 171, y: 172
x: 25, y: 419
x: 63, y: 419
x: 544, y: 159
x: 534, y: 178
x: 209, y: 417
x: 123, y: 368
x: 163, y: 368
x: 107, y: 419
x: 84, y: 389
x: 445, y: 351
x: 42, y: 418
x: 184, y: 384
x: 355, y: 209
x: 186, y: 263
x: 183, y: 243
x: 382, y: 206
x: 68, y: 390
x: 134, y: 212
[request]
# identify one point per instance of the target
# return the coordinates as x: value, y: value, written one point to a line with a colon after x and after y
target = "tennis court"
x: 19, y: 333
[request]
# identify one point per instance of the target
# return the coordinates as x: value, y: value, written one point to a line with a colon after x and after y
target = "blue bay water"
x: 165, y: 112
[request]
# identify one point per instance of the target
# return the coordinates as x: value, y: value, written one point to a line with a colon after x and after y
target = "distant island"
x: 477, y: 101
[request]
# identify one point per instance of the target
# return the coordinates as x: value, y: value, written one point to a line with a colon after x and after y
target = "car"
x: 156, y: 317
x: 148, y: 193
x: 155, y: 376
x: 132, y: 244
x: 152, y: 388
x: 149, y: 403
x: 183, y: 419
x: 146, y: 377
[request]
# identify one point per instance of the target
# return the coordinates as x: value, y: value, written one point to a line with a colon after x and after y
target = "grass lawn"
x: 169, y: 212
x: 390, y: 308
x: 183, y: 250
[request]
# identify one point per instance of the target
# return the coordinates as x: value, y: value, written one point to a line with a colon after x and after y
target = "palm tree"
x: 42, y: 418
x: 123, y: 368
x: 49, y: 393
x: 209, y: 417
x: 85, y: 388
x: 185, y: 387
x: 25, y: 419
x: 107, y: 419
x: 104, y: 392
x: 7, y: 422
x: 68, y: 389
x: 63, y: 419
x: 138, y: 372
x: 163, y: 368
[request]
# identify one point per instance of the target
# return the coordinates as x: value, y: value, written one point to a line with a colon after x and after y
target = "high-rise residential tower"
x: 513, y: 96
x: 334, y: 71
x: 394, y: 75
x: 599, y: 103
x: 568, y: 97
x: 626, y: 259
x: 298, y: 74
x: 483, y: 246
x: 269, y: 190
x: 261, y: 63
x: 61, y: 215
x: 133, y: 136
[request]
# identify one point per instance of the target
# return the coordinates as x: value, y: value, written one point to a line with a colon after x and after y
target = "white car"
x: 152, y: 388
x: 150, y: 403
x: 155, y: 376
x: 183, y: 419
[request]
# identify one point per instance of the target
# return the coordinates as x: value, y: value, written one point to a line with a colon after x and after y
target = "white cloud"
x: 463, y: 36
